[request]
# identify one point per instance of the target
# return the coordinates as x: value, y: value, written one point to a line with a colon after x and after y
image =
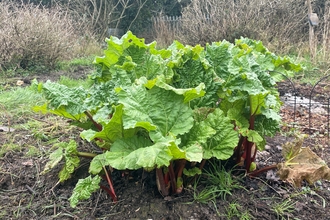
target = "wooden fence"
x: 174, y: 22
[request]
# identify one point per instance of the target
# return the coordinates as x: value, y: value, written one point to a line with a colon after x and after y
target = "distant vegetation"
x: 38, y: 34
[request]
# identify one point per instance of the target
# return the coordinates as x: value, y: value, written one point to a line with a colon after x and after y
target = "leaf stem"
x: 262, y: 170
x: 112, y: 191
x: 180, y: 164
x: 97, y: 125
x: 160, y: 182
x: 172, y: 177
x: 86, y: 154
x: 248, y: 157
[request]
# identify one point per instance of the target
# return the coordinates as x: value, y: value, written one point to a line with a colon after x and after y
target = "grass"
x: 234, y: 211
x: 218, y: 184
x: 69, y: 82
x: 312, y: 71
x: 282, y: 209
x: 9, y: 147
x: 16, y: 112
x: 18, y: 102
x: 223, y: 181
x: 73, y: 64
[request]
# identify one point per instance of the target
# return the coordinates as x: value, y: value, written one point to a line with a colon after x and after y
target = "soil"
x: 26, y: 194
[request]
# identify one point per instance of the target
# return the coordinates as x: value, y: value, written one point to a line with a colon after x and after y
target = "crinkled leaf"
x: 70, y: 164
x: 118, y: 156
x: 188, y: 93
x: 54, y: 158
x: 100, y: 95
x: 72, y: 160
x: 61, y: 111
x: 138, y: 152
x: 71, y: 99
x: 190, y: 70
x: 68, y: 151
x: 243, y: 80
x: 134, y: 153
x: 221, y: 145
x: 134, y: 56
x: 196, y: 137
x: 116, y: 48
x: 239, y: 117
x: 192, y: 172
x: 155, y: 109
x: 84, y: 189
x: 266, y: 126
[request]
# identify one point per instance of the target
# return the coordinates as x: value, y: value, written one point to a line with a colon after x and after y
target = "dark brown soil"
x: 25, y: 194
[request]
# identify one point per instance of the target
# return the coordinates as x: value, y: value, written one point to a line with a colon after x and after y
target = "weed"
x: 283, y: 208
x: 308, y: 190
x: 222, y: 180
x: 33, y: 152
x: 9, y: 147
x: 219, y: 183
x: 234, y: 210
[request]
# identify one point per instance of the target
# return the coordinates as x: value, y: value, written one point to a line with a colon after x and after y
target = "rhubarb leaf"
x: 68, y: 152
x: 54, y: 158
x: 221, y: 145
x: 72, y: 160
x: 110, y: 131
x: 84, y: 189
x: 71, y: 99
x: 155, y: 109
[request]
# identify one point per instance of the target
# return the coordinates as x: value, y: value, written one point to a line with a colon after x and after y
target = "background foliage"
x: 73, y: 28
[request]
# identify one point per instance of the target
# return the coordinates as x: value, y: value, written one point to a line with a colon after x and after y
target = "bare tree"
x: 99, y: 15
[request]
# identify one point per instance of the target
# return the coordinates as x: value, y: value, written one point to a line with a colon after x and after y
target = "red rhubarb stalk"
x: 112, y: 191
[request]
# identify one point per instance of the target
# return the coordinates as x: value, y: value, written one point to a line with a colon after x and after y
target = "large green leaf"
x: 132, y: 55
x: 137, y: 152
x: 110, y: 131
x: 191, y: 69
x: 221, y: 145
x: 61, y: 111
x: 188, y: 93
x: 100, y: 95
x: 71, y: 99
x: 155, y: 109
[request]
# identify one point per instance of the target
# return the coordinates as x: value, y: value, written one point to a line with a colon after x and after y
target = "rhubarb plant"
x: 170, y: 110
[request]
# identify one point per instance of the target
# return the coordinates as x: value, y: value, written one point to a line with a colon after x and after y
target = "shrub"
x: 34, y: 36
x: 274, y: 23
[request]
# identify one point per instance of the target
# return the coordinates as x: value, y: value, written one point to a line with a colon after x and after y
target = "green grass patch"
x: 33, y: 152
x: 9, y: 147
x: 18, y: 102
x: 69, y: 82
x: 73, y: 64
x: 235, y: 211
x: 282, y: 209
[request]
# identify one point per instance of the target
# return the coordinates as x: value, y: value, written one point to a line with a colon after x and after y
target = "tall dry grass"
x: 33, y: 35
x: 281, y: 25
